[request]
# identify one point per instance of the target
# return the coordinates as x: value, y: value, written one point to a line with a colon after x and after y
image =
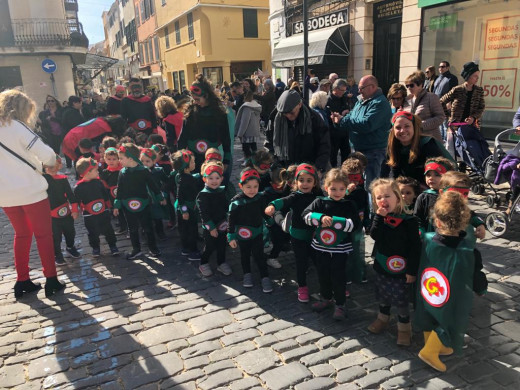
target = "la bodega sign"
x: 323, y: 21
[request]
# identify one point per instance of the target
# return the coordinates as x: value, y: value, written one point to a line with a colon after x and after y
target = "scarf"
x: 303, y: 125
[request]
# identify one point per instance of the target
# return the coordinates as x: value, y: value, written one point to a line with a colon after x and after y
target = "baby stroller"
x: 472, y: 148
x: 498, y: 222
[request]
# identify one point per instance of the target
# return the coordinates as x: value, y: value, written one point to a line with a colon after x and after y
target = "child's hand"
x: 351, y: 187
x: 480, y: 232
x: 233, y: 244
x: 382, y: 211
x: 326, y: 221
x: 269, y: 210
x: 116, y: 212
x: 185, y: 216
x: 410, y: 279
x: 163, y: 202
x: 214, y: 233
x: 74, y: 214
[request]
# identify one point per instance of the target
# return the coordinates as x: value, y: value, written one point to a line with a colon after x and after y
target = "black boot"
x: 53, y: 286
x: 25, y: 286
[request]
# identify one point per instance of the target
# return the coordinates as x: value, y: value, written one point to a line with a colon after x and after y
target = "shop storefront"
x: 484, y: 31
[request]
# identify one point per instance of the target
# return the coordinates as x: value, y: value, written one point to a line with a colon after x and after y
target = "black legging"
x: 253, y: 247
x: 211, y: 244
x: 332, y: 276
x: 302, y: 253
x: 142, y: 218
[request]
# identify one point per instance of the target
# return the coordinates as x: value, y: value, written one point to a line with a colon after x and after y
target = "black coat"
x: 71, y: 118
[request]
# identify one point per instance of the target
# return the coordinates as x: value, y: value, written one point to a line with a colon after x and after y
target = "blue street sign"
x: 49, y: 66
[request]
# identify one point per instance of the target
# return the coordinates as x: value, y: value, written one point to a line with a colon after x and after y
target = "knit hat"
x: 288, y: 100
x: 468, y: 69
x: 120, y: 88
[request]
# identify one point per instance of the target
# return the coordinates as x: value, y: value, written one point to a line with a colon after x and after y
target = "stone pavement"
x: 158, y: 324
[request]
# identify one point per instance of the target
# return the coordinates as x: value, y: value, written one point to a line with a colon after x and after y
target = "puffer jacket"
x: 248, y: 120
x: 428, y: 107
x: 457, y: 98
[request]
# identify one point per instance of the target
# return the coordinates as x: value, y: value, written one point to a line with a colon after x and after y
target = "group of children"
x: 288, y: 206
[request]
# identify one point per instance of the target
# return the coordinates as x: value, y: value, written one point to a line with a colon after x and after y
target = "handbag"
x: 18, y: 156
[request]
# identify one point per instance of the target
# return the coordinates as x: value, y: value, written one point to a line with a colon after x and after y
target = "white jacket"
x: 20, y: 184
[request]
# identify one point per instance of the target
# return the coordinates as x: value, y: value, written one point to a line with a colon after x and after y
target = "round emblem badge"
x: 337, y: 225
x: 134, y: 204
x: 141, y: 124
x: 245, y: 233
x: 395, y: 263
x: 223, y: 226
x: 113, y: 192
x: 201, y: 146
x: 435, y: 288
x: 328, y: 237
x: 97, y: 207
x: 63, y: 211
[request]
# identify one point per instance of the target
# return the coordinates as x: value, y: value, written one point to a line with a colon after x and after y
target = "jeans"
x: 375, y: 158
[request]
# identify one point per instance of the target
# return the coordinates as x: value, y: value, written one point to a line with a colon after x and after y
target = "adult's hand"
x: 336, y: 117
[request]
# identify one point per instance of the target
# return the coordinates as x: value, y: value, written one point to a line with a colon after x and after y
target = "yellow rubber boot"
x: 380, y: 324
x: 430, y: 353
x: 445, y: 351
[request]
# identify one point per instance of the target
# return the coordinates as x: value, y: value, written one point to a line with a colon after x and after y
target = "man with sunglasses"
x: 138, y: 109
x: 446, y: 81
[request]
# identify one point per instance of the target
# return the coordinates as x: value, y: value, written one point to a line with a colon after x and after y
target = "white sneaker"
x: 274, y: 263
x: 205, y: 270
x: 225, y: 269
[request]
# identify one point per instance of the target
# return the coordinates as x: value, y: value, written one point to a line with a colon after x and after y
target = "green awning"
x: 428, y: 3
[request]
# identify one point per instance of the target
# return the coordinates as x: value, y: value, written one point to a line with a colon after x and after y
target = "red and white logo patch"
x: 63, y: 211
x: 141, y: 124
x: 395, y: 263
x: 245, y: 233
x: 113, y: 192
x: 201, y: 146
x: 435, y: 287
x: 134, y: 204
x: 97, y: 207
x: 328, y: 236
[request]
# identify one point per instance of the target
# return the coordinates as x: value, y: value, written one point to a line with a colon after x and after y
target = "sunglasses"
x: 442, y: 66
x: 410, y: 85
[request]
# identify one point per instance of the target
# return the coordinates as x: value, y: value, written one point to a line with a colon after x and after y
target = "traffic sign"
x: 49, y: 66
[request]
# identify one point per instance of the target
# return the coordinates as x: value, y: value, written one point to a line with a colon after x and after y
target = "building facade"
x: 224, y: 41
x: 41, y: 43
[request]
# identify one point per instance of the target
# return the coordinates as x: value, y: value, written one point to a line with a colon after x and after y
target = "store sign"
x: 499, y: 87
x: 388, y: 10
x: 502, y: 38
x: 427, y: 3
x: 323, y: 21
x: 442, y: 22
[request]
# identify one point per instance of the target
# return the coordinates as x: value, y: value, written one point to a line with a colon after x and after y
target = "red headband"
x: 186, y: 156
x: 213, y: 156
x: 213, y: 168
x: 150, y: 153
x: 464, y: 191
x: 92, y: 165
x: 404, y: 114
x: 355, y: 178
x: 306, y: 168
x: 249, y: 175
x: 435, y: 166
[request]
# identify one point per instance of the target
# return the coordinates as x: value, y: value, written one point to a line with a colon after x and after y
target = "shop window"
x: 177, y: 33
x: 166, y: 37
x: 250, y: 23
x: 484, y: 31
x: 191, y: 35
x: 213, y: 74
x: 175, y: 76
x: 182, y: 81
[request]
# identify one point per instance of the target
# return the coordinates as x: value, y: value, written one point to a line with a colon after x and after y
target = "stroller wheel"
x: 490, y: 200
x: 496, y: 223
x: 478, y: 189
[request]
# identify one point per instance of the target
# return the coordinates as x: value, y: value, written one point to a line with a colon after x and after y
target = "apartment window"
x: 146, y: 9
x: 182, y: 80
x: 156, y: 47
x: 143, y: 13
x: 177, y: 33
x: 163, y: 2
x: 141, y: 54
x: 250, y: 23
x: 191, y: 35
x: 175, y: 76
x: 150, y: 49
x: 152, y: 7
x: 146, y: 54
x: 137, y: 18
x: 166, y: 38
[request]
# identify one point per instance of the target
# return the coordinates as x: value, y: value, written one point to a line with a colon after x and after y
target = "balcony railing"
x: 48, y: 32
x: 71, y: 5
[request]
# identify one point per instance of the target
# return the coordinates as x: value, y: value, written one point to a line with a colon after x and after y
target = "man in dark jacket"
x: 138, y: 109
x: 446, y: 81
x: 298, y: 133
x: 267, y: 100
x: 338, y: 103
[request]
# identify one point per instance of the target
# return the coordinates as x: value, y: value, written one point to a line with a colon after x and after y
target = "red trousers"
x: 28, y: 220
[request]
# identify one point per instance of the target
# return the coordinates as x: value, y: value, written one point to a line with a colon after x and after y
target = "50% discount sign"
x: 499, y: 87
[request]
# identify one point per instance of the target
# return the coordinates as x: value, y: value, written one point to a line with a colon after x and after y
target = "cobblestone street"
x: 158, y: 324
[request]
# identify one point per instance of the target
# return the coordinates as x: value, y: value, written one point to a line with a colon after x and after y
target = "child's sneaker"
x: 73, y: 252
x: 185, y: 252
x: 96, y: 252
x: 322, y: 305
x: 248, y: 280
x: 225, y: 269
x: 274, y: 263
x: 267, y: 285
x: 58, y: 258
x: 134, y: 254
x: 194, y: 256
x: 303, y: 294
x: 339, y: 313
x: 205, y: 270
x: 155, y: 252
x: 114, y: 251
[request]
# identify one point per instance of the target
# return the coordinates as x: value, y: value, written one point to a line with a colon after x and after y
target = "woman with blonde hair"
x: 172, y: 120
x: 24, y: 190
x: 318, y: 103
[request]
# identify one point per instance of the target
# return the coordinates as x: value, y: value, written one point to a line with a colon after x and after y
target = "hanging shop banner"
x: 443, y: 21
x: 323, y: 21
x: 499, y: 87
x: 502, y: 38
x: 388, y: 10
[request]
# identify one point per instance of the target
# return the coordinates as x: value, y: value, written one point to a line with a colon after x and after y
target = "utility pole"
x: 305, y: 50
